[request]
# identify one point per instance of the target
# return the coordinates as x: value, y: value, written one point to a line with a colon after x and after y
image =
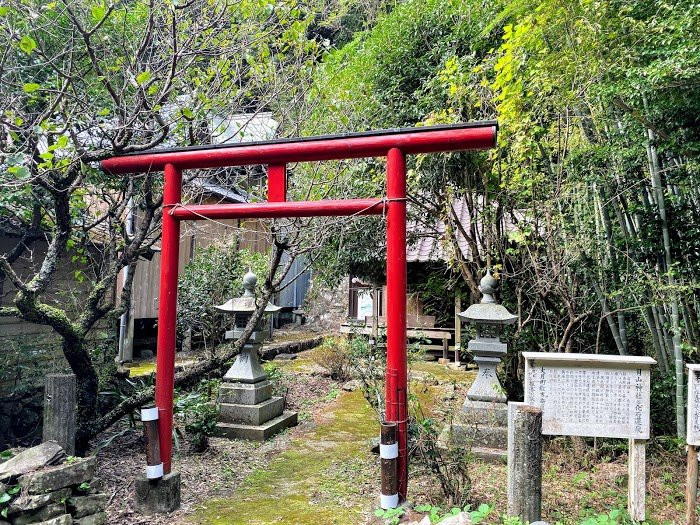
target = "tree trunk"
x: 655, y: 171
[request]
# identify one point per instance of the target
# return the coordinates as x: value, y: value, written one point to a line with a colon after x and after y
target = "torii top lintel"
x: 411, y: 141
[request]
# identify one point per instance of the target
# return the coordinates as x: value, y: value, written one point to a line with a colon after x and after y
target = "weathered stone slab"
x: 483, y: 436
x: 80, y: 506
x: 257, y: 432
x: 252, y: 414
x: 94, y: 519
x: 483, y: 413
x: 83, y: 469
x: 43, y: 514
x: 157, y: 496
x: 245, y: 393
x: 66, y: 519
x: 48, y: 453
x: 60, y: 410
x: 26, y: 503
x: 590, y: 395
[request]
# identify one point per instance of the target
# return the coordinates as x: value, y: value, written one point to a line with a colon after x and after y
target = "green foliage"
x: 392, y: 516
x: 214, y: 276
x: 198, y: 415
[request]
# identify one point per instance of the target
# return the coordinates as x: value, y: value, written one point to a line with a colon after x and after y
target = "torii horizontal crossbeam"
x: 272, y: 210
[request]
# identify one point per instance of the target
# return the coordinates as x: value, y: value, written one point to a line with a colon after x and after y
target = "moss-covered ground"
x: 325, y: 476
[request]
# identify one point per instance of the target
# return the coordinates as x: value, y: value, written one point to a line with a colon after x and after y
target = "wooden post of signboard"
x: 636, y: 491
x: 691, y: 489
x: 693, y: 440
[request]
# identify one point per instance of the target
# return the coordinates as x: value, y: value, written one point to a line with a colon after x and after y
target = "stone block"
x: 257, y: 432
x: 245, y: 393
x: 252, y: 414
x: 75, y: 473
x: 480, y: 436
x: 158, y: 496
x: 43, y: 514
x: 99, y: 518
x: 483, y: 413
x: 26, y: 503
x: 65, y: 519
x: 80, y: 506
x: 48, y: 453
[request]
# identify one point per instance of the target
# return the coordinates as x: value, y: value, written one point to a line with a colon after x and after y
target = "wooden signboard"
x: 595, y: 396
x: 590, y: 395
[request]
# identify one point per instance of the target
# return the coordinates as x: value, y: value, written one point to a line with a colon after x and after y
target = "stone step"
x: 491, y: 455
x: 257, y: 432
x: 252, y: 414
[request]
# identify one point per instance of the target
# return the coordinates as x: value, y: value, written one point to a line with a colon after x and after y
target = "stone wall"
x: 48, y: 488
x: 327, y: 308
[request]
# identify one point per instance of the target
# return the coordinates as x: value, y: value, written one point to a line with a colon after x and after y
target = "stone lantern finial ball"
x: 488, y: 287
x: 249, y: 281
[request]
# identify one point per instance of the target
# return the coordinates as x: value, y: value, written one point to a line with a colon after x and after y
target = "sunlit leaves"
x: 30, y: 87
x: 27, y: 44
x: 143, y: 77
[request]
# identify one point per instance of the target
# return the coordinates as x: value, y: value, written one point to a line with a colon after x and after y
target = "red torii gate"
x: 394, y: 144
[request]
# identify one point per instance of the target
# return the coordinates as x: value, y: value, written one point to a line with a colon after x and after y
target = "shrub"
x: 213, y: 277
x: 198, y: 416
x: 333, y: 356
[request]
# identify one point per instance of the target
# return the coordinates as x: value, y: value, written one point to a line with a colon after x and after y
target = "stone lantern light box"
x: 248, y: 408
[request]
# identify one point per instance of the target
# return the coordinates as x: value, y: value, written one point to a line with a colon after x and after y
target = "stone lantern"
x: 483, y: 419
x: 248, y: 408
x: 489, y: 317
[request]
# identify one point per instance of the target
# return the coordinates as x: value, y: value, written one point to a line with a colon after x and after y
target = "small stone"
x: 48, y: 453
x: 74, y: 473
x: 43, y: 514
x: 352, y: 385
x: 94, y: 519
x: 458, y: 519
x: 80, y: 506
x: 425, y: 521
x: 96, y: 486
x: 449, y: 392
x: 26, y: 503
x: 60, y: 520
x: 285, y: 357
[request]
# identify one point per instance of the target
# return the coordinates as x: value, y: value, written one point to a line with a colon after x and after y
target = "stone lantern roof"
x: 488, y: 311
x: 246, y: 303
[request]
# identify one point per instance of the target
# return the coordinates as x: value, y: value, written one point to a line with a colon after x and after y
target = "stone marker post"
x: 59, y: 411
x: 524, y: 462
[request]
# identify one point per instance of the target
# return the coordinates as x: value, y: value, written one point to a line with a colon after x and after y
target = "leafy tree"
x: 83, y: 81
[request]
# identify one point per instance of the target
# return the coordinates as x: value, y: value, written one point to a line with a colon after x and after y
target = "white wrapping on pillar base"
x: 389, y: 451
x: 149, y: 414
x: 389, y: 502
x: 154, y: 471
